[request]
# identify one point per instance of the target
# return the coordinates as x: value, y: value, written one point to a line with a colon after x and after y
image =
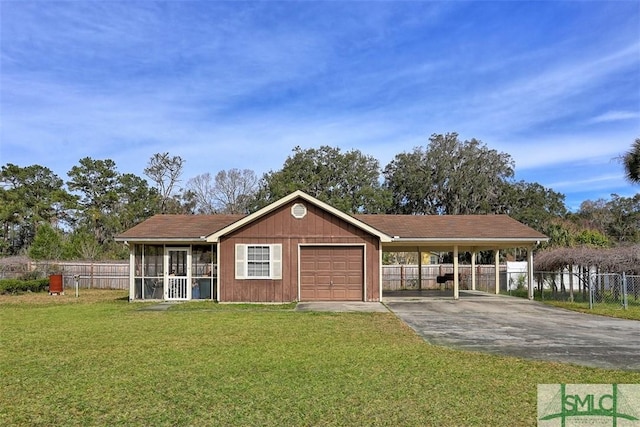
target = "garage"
x: 331, y: 273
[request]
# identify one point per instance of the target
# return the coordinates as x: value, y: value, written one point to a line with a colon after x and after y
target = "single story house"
x: 299, y: 249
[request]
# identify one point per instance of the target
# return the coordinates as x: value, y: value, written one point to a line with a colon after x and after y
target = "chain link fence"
x: 633, y: 290
x: 587, y: 287
x: 616, y: 289
x: 558, y: 286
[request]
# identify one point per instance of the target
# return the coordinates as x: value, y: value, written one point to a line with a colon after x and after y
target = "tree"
x: 533, y: 204
x: 234, y: 190
x: 29, y: 196
x: 165, y: 172
x: 625, y: 226
x: 202, y: 189
x: 631, y: 162
x: 348, y: 181
x: 136, y: 201
x: 47, y: 244
x: 617, y: 218
x: 230, y: 192
x: 594, y: 214
x: 96, y: 181
x: 449, y: 176
x: 109, y: 202
x: 81, y: 244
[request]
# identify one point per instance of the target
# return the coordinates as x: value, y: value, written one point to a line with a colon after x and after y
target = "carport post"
x: 530, y: 271
x: 419, y: 268
x: 497, y: 265
x: 473, y: 270
x: 456, y: 283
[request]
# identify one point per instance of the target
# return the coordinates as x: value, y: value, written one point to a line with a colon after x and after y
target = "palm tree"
x: 631, y: 162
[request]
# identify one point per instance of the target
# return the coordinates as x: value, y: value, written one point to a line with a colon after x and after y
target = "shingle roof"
x: 194, y: 227
x: 187, y: 227
x: 451, y: 226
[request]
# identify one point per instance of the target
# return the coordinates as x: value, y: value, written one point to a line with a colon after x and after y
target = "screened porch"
x: 176, y: 272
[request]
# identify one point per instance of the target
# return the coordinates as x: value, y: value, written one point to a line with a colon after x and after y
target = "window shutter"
x: 276, y: 261
x: 241, y: 261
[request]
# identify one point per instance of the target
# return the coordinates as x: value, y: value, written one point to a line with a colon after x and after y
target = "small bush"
x: 31, y: 275
x: 15, y: 286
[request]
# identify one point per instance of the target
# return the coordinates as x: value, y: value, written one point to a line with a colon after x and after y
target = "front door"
x: 177, y: 274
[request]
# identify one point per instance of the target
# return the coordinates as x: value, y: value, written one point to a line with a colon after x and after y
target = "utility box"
x: 56, y: 285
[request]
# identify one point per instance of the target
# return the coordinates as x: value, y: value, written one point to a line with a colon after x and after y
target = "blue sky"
x: 239, y: 84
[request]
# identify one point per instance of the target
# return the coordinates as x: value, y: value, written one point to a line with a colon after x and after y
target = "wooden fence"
x: 112, y: 275
x: 98, y: 275
x: 115, y: 274
x: 401, y: 277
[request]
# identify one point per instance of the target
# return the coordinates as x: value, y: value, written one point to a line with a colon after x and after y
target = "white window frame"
x: 242, y: 263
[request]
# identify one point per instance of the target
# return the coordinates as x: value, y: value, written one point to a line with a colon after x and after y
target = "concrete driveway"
x: 517, y: 327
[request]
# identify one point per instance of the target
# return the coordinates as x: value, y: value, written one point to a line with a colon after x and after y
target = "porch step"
x: 163, y: 306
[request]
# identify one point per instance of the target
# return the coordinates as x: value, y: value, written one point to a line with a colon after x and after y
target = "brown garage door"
x: 331, y: 273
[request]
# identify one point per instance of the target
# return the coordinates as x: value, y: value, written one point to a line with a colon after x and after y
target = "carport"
x: 457, y: 234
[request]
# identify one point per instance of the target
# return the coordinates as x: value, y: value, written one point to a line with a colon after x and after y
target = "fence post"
x: 624, y: 290
x: 590, y: 293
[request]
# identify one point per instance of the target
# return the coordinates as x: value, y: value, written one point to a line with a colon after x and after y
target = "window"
x: 258, y: 261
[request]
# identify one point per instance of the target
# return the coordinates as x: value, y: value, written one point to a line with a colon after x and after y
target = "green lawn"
x: 632, y: 311
x: 611, y: 310
x: 99, y: 360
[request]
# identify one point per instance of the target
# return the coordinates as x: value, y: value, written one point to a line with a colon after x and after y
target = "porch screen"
x: 149, y: 271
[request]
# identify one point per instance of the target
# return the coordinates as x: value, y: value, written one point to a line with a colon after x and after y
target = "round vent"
x: 298, y: 210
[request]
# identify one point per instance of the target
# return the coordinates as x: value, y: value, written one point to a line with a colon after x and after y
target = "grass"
x: 214, y: 306
x: 610, y: 310
x: 602, y: 309
x: 98, y: 360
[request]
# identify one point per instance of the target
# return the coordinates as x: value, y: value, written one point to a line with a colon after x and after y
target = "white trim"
x: 474, y: 255
x: 241, y: 261
x: 163, y: 240
x: 297, y: 206
x: 468, y: 239
x: 218, y: 272
x: 281, y: 202
x: 530, y: 271
x: 456, y: 274
x: 380, y: 271
x: 132, y: 273
x: 167, y: 276
x: 496, y: 264
x: 352, y: 245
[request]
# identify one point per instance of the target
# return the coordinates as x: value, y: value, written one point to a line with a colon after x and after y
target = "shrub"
x: 15, y: 286
x: 31, y: 275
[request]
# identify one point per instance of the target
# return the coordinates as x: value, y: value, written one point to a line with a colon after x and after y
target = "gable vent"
x: 298, y: 210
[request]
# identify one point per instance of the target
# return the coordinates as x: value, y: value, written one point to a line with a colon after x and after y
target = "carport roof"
x: 438, y: 232
x: 451, y: 226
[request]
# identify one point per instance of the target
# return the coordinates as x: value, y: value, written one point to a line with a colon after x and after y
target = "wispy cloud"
x: 550, y: 94
x: 227, y: 84
x: 613, y: 116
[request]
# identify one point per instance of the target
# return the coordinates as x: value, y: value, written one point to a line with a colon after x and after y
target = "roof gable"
x: 291, y: 197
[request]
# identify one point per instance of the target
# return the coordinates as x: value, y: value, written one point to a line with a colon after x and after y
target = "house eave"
x: 161, y: 240
x: 411, y: 243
